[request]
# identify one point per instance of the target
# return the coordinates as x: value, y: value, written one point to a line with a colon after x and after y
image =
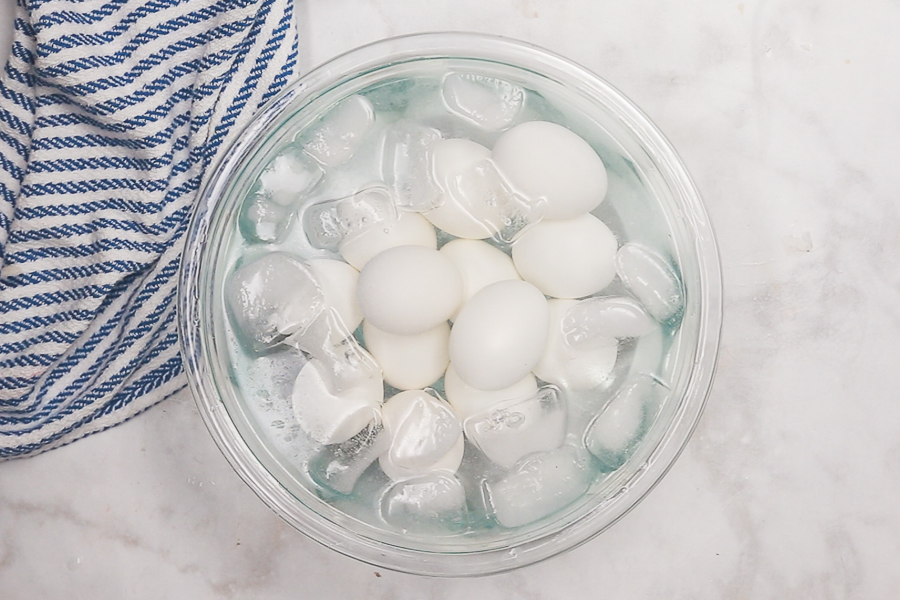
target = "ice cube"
x: 423, y: 428
x: 342, y: 360
x: 482, y: 192
x: 425, y: 435
x: 540, y: 486
x: 515, y: 428
x: 408, y: 149
x: 613, y: 433
x: 593, y: 321
x: 425, y: 504
x: 486, y: 101
x: 263, y: 220
x: 329, y: 417
x: 328, y: 223
x: 289, y: 176
x: 339, y: 133
x: 339, y: 466
x: 575, y: 369
x: 271, y: 298
x: 652, y: 281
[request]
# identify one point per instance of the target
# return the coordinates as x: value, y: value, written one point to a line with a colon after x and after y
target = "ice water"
x: 368, y: 141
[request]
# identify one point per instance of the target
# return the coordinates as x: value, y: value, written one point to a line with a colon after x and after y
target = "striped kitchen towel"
x: 110, y: 113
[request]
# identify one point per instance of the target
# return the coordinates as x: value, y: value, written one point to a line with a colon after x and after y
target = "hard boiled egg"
x: 567, y: 259
x: 408, y: 290
x: 549, y: 162
x: 479, y: 264
x: 409, y: 361
x: 499, y: 335
x: 410, y: 229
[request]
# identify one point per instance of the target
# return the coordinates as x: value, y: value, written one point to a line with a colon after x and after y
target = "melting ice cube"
x: 425, y: 435
x: 593, y: 321
x: 332, y: 417
x: 289, y: 176
x: 483, y: 193
x: 540, y: 486
x: 515, y: 428
x: 339, y: 466
x: 486, y: 101
x: 575, y: 369
x: 327, y: 223
x: 652, y: 281
x: 339, y: 133
x: 271, y: 298
x: 428, y: 503
x: 612, y: 434
x: 408, y: 149
x: 342, y: 360
x: 263, y: 220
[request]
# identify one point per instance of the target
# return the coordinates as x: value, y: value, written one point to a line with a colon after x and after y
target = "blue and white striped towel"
x: 110, y: 113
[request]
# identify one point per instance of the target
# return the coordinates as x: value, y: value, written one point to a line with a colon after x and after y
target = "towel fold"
x: 111, y: 111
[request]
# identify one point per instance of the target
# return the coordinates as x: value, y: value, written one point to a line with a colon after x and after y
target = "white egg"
x: 546, y: 160
x: 426, y: 436
x: 410, y: 229
x: 409, y: 361
x: 567, y: 259
x: 499, y: 335
x: 452, y: 157
x: 409, y: 289
x: 334, y: 418
x: 576, y: 371
x: 338, y: 282
x: 479, y: 264
x: 468, y: 401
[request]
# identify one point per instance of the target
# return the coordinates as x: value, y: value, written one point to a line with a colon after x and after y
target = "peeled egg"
x: 499, y: 335
x: 411, y: 229
x: 468, y: 401
x: 479, y: 264
x: 408, y: 290
x: 577, y: 371
x: 546, y: 160
x: 426, y: 436
x: 409, y: 361
x: 338, y: 282
x: 334, y: 418
x: 452, y: 157
x: 567, y: 259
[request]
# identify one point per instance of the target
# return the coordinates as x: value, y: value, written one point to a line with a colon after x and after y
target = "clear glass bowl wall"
x: 651, y: 199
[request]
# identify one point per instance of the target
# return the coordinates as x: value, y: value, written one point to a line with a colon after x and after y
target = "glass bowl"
x: 651, y: 200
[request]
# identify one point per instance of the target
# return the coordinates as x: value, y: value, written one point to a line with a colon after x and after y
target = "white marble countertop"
x: 787, y: 113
